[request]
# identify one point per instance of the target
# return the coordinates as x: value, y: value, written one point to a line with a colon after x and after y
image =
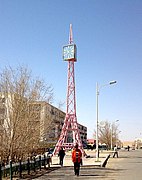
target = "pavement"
x: 87, y: 171
x: 91, y: 160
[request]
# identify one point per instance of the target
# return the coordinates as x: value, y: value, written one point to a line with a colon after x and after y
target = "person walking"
x: 61, y: 156
x: 76, y: 159
x: 115, y: 152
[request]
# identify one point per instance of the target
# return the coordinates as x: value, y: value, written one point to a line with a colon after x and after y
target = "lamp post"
x: 97, y: 115
x: 112, y: 133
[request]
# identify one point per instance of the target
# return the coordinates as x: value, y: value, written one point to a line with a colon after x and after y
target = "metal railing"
x: 18, y: 169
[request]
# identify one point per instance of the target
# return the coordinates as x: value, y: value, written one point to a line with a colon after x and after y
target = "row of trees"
x: 19, y: 128
x: 109, y: 134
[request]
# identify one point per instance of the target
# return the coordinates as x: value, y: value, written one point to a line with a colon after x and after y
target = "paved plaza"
x: 127, y: 166
x: 86, y: 161
x: 87, y: 171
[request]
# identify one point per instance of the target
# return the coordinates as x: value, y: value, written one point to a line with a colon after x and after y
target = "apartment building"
x: 47, y: 119
x: 56, y: 118
x: 51, y: 120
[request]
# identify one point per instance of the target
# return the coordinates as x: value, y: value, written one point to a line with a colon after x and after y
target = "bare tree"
x: 61, y: 104
x: 108, y: 133
x: 20, y: 122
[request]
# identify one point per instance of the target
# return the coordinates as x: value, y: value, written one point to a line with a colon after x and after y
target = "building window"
x: 2, y: 100
x: 2, y: 110
x: 1, y: 122
x: 51, y: 135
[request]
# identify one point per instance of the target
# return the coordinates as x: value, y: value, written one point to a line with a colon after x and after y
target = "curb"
x: 105, y: 161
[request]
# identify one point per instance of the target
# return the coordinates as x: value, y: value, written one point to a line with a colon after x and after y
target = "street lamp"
x: 97, y: 115
x: 112, y: 133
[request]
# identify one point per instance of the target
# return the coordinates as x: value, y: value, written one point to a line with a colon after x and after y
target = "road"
x: 127, y: 167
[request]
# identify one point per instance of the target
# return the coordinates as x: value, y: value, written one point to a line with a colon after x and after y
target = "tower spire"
x: 70, y: 35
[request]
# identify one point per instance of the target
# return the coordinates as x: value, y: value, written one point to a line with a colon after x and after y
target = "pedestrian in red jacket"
x: 77, y: 159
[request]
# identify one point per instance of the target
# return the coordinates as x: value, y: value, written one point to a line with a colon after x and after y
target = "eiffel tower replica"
x: 70, y: 122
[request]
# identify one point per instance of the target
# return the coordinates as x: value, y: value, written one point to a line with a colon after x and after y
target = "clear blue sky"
x: 108, y: 35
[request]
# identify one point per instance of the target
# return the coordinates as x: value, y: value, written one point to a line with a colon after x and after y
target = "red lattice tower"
x: 70, y: 122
